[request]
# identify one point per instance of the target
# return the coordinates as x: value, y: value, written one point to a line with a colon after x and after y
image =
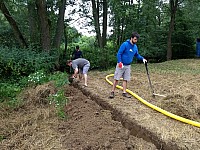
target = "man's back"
x: 80, y: 62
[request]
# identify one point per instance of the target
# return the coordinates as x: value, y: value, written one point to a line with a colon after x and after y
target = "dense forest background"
x: 36, y: 34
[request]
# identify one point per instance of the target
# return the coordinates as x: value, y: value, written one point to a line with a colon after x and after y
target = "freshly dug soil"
x: 35, y: 125
x: 95, y: 122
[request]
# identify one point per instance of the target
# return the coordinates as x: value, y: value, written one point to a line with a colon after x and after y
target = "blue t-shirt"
x: 127, y: 52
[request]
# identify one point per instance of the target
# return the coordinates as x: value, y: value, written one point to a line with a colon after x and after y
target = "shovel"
x: 153, y: 93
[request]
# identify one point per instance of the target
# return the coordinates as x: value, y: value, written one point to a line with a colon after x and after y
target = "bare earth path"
x: 95, y: 122
x: 182, y: 99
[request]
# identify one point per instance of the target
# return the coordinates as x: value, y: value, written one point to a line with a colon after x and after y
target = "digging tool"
x: 153, y: 93
x: 71, y: 79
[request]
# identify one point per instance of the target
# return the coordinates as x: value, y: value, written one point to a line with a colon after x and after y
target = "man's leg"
x: 112, y: 94
x: 85, y: 70
x: 124, y: 86
x: 124, y: 94
x: 125, y: 80
x: 80, y: 76
x: 118, y: 74
x: 85, y: 77
x: 114, y: 85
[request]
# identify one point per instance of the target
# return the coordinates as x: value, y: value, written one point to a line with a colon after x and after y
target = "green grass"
x: 181, y: 66
x: 9, y: 90
x: 1, y: 138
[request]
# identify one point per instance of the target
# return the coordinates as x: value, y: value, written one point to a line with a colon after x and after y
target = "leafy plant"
x: 8, y: 91
x: 59, y: 78
x: 1, y: 138
x: 37, y: 77
x: 59, y: 100
x: 22, y: 62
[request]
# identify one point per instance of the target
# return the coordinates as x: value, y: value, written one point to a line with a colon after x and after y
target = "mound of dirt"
x: 88, y: 125
x: 96, y: 122
x: 91, y: 127
x: 34, y: 124
x: 182, y: 99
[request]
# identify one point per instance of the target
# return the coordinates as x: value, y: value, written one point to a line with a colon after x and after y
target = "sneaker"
x: 112, y: 95
x: 126, y: 95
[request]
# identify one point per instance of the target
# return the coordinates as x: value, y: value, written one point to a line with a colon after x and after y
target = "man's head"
x: 77, y: 47
x: 69, y: 62
x: 134, y: 37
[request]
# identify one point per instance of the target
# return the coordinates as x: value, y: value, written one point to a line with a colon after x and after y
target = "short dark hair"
x: 68, y: 61
x: 77, y: 47
x: 135, y: 34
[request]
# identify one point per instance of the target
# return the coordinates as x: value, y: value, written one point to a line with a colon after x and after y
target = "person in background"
x: 81, y: 66
x: 127, y: 51
x: 77, y: 53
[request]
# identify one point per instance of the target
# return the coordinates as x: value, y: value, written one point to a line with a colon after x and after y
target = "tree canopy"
x: 168, y: 29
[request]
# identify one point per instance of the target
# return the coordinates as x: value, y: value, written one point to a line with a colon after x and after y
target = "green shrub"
x: 59, y: 101
x: 22, y: 62
x: 8, y: 91
x: 36, y: 78
x: 59, y: 78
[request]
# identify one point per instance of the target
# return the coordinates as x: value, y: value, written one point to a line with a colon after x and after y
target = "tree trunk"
x: 34, y: 37
x: 95, y: 11
x: 105, y: 13
x: 60, y: 24
x: 65, y: 36
x: 173, y: 7
x: 13, y: 24
x: 45, y: 29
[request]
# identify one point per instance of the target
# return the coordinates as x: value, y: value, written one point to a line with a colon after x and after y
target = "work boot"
x: 126, y: 95
x: 112, y: 95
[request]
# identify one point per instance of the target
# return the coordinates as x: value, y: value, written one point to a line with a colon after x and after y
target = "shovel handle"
x: 146, y: 67
x: 145, y: 63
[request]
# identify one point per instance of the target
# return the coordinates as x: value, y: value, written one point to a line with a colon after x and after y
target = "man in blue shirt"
x: 127, y: 51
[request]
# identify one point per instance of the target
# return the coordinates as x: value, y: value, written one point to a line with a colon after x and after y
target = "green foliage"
x: 14, y: 103
x: 8, y: 93
x: 72, y: 34
x: 150, y: 18
x: 184, y: 38
x: 22, y: 62
x: 39, y: 77
x: 156, y: 51
x: 1, y: 138
x: 100, y: 58
x: 183, y: 45
x: 59, y: 78
x: 7, y: 37
x: 36, y: 78
x: 59, y: 101
x: 8, y: 90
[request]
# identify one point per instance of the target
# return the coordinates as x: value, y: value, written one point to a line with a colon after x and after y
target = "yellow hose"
x: 188, y: 121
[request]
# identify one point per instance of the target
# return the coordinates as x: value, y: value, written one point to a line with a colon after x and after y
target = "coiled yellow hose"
x: 188, y: 121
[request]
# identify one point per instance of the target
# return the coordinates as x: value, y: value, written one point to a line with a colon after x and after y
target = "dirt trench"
x: 133, y: 127
x: 142, y: 122
x: 95, y: 122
